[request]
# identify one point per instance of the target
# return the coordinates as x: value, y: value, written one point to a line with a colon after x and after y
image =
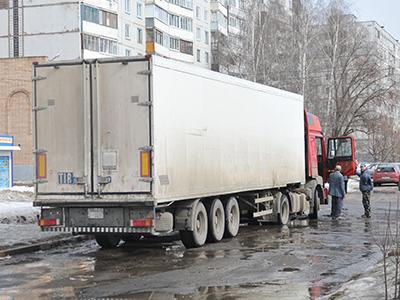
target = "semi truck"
x: 133, y: 146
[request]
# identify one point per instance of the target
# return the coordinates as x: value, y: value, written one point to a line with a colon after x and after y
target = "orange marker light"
x: 41, y: 166
x: 144, y: 163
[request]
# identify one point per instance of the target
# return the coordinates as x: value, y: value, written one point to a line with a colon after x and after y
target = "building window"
x: 149, y: 35
x: 166, y: 40
x: 98, y: 16
x: 108, y: 46
x: 128, y: 6
x: 198, y: 33
x: 128, y: 52
x: 159, y: 37
x: 140, y: 36
x: 161, y: 14
x: 206, y: 15
x: 127, y: 31
x: 186, y: 47
x: 198, y: 12
x: 206, y: 58
x: 139, y: 10
x: 198, y: 55
x: 102, y: 45
x: 174, y: 20
x: 90, y: 42
x: 183, y: 3
x: 108, y: 19
x: 167, y: 18
x: 174, y: 43
x: 206, y: 37
x: 90, y: 14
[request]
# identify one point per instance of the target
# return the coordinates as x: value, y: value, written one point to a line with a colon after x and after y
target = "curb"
x: 44, y: 245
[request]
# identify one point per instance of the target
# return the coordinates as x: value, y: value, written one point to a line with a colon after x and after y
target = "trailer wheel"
x: 107, y: 240
x: 197, y: 237
x: 317, y: 197
x: 216, y: 221
x: 131, y: 238
x: 232, y: 217
x: 283, y: 216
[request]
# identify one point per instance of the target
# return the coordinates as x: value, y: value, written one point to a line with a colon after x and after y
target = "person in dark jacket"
x: 337, y: 192
x: 366, y: 187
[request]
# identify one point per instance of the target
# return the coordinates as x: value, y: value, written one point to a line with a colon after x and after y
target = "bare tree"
x: 353, y: 72
x: 382, y: 141
x: 260, y: 52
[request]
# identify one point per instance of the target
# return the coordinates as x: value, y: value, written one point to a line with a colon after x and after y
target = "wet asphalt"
x: 305, y: 260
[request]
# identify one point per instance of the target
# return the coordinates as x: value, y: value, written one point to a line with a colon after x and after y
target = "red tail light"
x: 141, y: 223
x: 49, y: 222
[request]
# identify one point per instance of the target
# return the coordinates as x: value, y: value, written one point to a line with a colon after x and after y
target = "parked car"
x: 386, y: 173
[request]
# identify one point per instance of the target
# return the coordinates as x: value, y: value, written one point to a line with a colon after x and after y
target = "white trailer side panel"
x: 215, y: 134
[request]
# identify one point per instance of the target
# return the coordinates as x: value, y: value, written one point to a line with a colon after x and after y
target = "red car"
x: 386, y: 173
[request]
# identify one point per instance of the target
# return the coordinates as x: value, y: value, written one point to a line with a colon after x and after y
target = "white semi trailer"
x: 126, y: 147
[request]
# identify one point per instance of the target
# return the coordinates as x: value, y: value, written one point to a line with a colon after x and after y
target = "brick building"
x: 16, y: 111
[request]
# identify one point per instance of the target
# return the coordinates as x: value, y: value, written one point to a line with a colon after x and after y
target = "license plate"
x: 385, y: 177
x: 96, y: 213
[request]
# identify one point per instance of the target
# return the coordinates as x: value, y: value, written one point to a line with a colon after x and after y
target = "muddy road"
x: 305, y: 260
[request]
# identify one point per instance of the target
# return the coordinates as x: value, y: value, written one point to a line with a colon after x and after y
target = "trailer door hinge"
x: 146, y: 148
x: 80, y: 180
x: 39, y: 181
x: 37, y: 108
x: 104, y: 179
x: 146, y: 103
x: 145, y: 72
x: 38, y: 151
x: 37, y: 78
x: 147, y: 179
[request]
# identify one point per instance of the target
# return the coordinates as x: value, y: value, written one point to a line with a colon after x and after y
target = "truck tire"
x: 197, y: 237
x: 107, y: 240
x: 131, y: 238
x: 232, y: 217
x: 283, y: 216
x: 216, y: 221
x: 317, y: 194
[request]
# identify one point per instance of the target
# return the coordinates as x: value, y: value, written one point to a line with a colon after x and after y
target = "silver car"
x: 371, y: 169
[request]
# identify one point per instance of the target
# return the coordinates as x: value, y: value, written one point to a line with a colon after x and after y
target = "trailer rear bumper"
x: 100, y: 230
x: 106, y: 220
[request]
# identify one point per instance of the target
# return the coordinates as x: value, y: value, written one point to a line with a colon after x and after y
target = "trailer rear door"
x: 92, y: 127
x: 61, y: 111
x: 121, y: 115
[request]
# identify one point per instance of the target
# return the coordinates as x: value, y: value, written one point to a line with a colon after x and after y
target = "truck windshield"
x: 340, y: 148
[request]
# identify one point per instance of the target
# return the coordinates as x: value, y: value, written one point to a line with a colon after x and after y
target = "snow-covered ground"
x: 16, y: 205
x: 18, y: 221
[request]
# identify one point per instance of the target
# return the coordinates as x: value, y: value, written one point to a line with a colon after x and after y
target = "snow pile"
x: 16, y: 205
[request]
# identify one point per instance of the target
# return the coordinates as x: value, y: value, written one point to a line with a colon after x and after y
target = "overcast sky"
x: 384, y: 12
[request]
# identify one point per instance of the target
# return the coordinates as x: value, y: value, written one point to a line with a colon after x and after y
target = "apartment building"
x: 388, y: 49
x: 64, y: 29
x: 179, y: 29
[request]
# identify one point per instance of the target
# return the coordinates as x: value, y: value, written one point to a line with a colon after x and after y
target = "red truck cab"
x: 321, y: 159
